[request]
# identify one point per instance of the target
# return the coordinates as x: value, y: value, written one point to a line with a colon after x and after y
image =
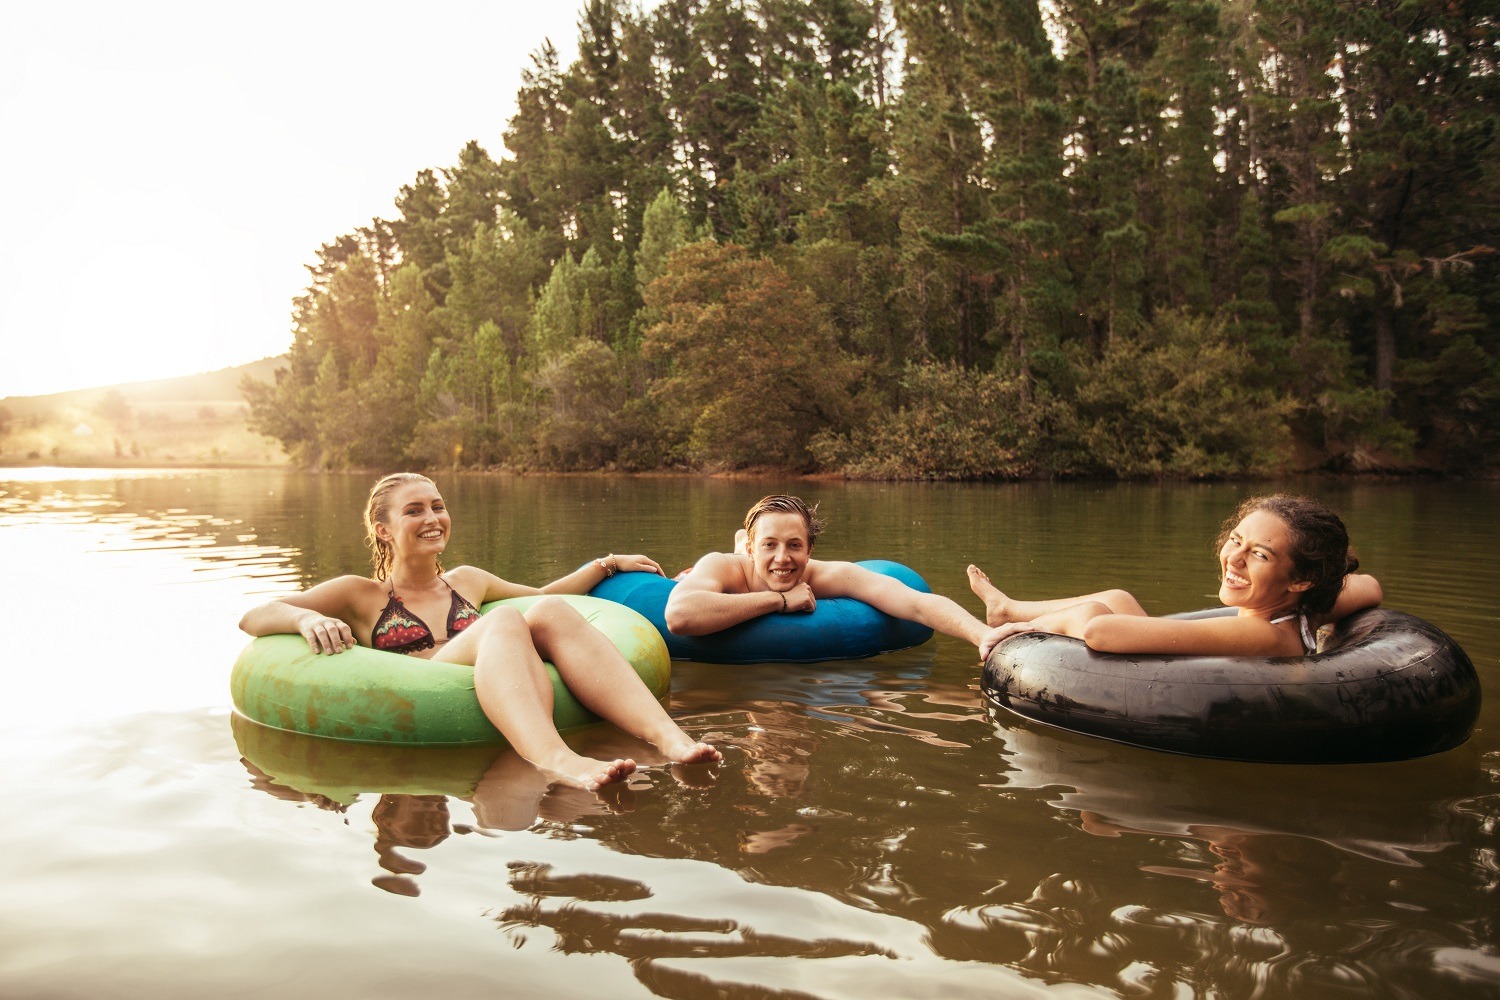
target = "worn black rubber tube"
x: 1386, y: 686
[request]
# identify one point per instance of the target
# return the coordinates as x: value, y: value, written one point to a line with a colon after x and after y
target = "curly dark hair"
x: 1319, y: 545
x: 781, y: 503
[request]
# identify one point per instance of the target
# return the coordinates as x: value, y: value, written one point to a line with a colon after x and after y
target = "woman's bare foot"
x: 680, y: 748
x: 586, y: 772
x: 996, y: 604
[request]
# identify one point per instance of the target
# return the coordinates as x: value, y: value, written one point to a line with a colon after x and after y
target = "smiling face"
x: 417, y: 521
x: 779, y: 550
x: 1255, y: 565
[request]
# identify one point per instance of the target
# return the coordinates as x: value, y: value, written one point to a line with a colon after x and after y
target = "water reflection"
x: 1268, y: 881
x: 413, y: 786
x: 874, y: 831
x: 1264, y: 879
x: 1290, y: 857
x: 1258, y: 899
x: 1389, y: 812
x: 1065, y: 928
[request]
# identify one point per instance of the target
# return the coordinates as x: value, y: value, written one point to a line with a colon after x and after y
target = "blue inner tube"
x: 841, y: 628
x: 1386, y: 686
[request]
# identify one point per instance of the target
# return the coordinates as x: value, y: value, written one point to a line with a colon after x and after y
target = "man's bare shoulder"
x: 721, y: 571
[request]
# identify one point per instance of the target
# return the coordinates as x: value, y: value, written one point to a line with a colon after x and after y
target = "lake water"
x: 875, y: 830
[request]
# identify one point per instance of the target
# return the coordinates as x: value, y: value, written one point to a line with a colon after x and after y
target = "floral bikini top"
x: 397, y: 630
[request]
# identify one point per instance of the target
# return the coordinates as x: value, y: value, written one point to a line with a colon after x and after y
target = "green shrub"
x: 1459, y: 394
x: 1176, y: 400
x: 950, y: 424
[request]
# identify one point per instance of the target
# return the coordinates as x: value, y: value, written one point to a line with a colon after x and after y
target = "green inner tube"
x: 370, y: 696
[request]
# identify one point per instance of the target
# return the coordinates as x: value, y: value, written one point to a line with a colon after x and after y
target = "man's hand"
x: 800, y: 598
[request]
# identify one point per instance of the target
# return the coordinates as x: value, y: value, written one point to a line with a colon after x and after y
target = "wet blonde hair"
x: 781, y: 503
x: 378, y: 511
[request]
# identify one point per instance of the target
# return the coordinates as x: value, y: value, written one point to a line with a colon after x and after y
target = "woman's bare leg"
x: 604, y: 683
x: 1000, y: 609
x: 516, y: 695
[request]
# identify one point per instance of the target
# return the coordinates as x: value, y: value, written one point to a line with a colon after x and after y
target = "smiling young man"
x: 774, y: 573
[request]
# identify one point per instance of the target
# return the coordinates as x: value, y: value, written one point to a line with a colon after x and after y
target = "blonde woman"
x: 410, y: 605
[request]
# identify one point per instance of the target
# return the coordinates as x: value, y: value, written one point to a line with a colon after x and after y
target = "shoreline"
x: 110, y: 463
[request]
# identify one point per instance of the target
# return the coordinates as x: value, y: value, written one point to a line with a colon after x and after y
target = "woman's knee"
x: 500, y: 631
x: 556, y: 626
x: 503, y: 621
x: 1121, y: 602
x: 550, y: 613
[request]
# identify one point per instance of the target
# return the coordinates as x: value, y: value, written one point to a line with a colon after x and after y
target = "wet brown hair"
x: 378, y: 511
x: 1319, y: 545
x: 781, y: 503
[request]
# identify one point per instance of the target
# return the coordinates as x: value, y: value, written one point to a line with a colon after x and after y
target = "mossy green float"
x: 370, y: 696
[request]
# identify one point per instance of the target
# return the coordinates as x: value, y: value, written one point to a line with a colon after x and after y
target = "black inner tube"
x: 1385, y: 686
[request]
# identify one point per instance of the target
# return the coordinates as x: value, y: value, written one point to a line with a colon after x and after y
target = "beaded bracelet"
x: 605, y: 566
x: 783, y: 600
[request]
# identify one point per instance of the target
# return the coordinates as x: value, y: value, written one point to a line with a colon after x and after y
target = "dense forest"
x: 940, y: 239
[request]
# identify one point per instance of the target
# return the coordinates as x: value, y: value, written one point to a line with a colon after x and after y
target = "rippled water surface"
x: 875, y: 831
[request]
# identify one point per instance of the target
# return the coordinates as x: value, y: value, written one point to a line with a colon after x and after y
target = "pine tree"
x: 1298, y: 141
x: 663, y: 230
x: 1105, y: 50
x: 1016, y: 100
x: 938, y: 153
x: 531, y: 178
x: 1187, y: 72
x: 1418, y: 97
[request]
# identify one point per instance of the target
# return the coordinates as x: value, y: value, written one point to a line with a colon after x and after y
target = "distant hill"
x: 222, y: 386
x: 192, y: 420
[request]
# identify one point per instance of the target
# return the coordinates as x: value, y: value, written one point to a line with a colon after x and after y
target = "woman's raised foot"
x: 995, y: 602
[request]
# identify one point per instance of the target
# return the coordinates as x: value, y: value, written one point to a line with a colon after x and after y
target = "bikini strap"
x: 1309, y: 638
x: 1304, y: 630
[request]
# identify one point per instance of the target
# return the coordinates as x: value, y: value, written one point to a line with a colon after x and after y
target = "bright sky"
x: 168, y: 167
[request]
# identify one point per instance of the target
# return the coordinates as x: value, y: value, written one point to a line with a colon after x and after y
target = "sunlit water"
x: 875, y: 830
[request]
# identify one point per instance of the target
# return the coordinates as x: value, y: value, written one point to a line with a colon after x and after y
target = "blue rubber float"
x: 840, y: 628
